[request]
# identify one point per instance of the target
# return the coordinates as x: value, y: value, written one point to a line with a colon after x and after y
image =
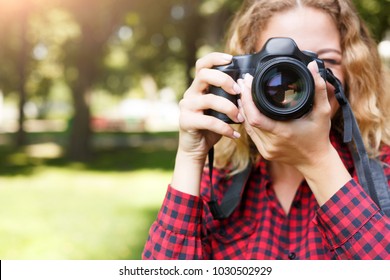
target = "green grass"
x: 54, y: 209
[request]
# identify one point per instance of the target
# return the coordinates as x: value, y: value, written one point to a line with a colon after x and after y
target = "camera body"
x: 282, y: 87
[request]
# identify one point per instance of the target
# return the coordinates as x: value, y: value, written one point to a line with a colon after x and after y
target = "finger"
x: 206, y: 77
x: 321, y: 102
x: 220, y: 104
x: 191, y: 121
x: 212, y: 59
x: 251, y: 113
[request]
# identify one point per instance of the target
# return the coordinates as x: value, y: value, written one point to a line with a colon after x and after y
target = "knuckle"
x: 202, y: 74
x: 253, y: 122
x: 198, y: 64
x: 186, y: 94
x: 270, y: 153
x: 326, y: 109
x: 266, y: 155
x: 272, y: 150
x: 287, y: 134
x: 184, y: 104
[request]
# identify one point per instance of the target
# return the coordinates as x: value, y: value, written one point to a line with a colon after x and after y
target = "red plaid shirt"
x: 348, y: 226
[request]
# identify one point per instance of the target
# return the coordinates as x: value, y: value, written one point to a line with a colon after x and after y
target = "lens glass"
x: 283, y: 87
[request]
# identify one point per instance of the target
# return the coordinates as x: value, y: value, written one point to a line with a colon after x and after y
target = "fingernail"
x: 240, y: 118
x: 240, y: 83
x: 236, y: 88
x: 315, y: 67
x: 236, y: 135
x: 239, y: 103
x: 227, y: 57
x: 247, y: 77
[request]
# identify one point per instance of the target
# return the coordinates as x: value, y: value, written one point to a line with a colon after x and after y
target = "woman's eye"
x: 330, y: 61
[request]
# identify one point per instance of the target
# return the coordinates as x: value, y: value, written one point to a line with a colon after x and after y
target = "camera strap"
x: 370, y: 172
x: 233, y: 194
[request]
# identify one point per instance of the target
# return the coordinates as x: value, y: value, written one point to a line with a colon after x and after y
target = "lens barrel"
x: 283, y: 88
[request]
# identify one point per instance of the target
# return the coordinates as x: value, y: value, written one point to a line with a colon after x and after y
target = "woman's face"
x: 312, y: 30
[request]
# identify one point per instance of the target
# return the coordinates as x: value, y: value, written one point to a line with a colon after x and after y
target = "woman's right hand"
x: 198, y: 131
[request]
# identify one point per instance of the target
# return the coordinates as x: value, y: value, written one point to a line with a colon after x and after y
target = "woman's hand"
x: 302, y: 143
x: 199, y: 132
x: 296, y: 142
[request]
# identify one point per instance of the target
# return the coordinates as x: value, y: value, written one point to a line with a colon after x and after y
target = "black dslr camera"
x: 283, y: 87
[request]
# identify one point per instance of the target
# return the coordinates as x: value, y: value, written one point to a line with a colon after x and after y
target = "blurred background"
x: 89, y: 116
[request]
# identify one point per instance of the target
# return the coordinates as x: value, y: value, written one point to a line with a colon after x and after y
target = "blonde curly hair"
x: 365, y: 83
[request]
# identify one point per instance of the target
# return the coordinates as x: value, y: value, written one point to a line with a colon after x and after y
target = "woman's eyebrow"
x: 322, y: 51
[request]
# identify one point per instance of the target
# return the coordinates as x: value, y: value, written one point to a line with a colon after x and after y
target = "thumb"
x: 321, y: 95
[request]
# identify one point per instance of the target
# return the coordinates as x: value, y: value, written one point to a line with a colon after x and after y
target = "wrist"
x: 326, y: 175
x: 187, y: 173
x: 191, y: 158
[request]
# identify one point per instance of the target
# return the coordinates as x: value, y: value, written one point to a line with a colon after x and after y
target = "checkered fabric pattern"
x: 348, y: 226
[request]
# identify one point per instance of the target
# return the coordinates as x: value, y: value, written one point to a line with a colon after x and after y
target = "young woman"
x: 302, y: 199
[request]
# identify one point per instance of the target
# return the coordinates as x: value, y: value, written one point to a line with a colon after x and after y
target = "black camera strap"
x: 369, y: 171
x: 233, y: 194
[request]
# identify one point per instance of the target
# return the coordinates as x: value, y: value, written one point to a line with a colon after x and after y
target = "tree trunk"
x: 79, y: 148
x: 191, y: 37
x: 22, y: 73
x: 97, y: 21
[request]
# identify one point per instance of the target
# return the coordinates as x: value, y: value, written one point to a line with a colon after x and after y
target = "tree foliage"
x: 112, y: 45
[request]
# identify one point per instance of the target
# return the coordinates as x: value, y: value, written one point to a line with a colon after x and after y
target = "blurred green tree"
x: 97, y: 21
x: 115, y: 45
x: 14, y: 51
x: 376, y: 13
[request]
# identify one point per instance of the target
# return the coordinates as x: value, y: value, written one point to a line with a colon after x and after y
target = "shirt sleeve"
x: 176, y: 233
x: 353, y: 225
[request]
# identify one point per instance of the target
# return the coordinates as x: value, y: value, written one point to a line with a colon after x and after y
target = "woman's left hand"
x: 302, y: 143
x: 299, y: 142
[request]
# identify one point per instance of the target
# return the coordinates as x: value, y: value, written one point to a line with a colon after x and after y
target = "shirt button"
x: 292, y: 256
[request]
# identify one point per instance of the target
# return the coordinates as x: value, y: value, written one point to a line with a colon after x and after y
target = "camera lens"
x: 283, y: 89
